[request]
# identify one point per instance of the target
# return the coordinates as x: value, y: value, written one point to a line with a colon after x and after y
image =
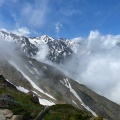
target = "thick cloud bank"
x: 97, y: 64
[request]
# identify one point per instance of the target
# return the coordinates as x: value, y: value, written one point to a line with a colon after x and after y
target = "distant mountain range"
x: 58, y: 50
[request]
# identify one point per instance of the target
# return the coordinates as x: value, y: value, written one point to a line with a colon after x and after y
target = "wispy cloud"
x: 21, y: 31
x: 70, y: 12
x: 58, y: 27
x: 18, y: 31
x: 17, y: 24
x: 35, y: 14
x: 25, y: 19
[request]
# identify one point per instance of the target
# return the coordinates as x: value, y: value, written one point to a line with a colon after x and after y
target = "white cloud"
x: 97, y: 64
x: 58, y: 27
x: 77, y: 39
x: 21, y: 31
x: 35, y: 14
x: 15, y: 19
x: 43, y: 52
x: 3, y: 29
x: 70, y: 12
x: 94, y: 34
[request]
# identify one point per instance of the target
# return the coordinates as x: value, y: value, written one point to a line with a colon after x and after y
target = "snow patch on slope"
x: 45, y: 67
x: 41, y: 101
x: 30, y: 62
x: 74, y: 102
x: 22, y: 89
x: 36, y: 71
x: 44, y: 101
x: 68, y: 85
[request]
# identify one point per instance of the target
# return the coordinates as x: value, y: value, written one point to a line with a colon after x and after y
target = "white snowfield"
x: 67, y: 84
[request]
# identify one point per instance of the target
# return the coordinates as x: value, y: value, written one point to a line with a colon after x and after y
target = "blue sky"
x: 60, y: 18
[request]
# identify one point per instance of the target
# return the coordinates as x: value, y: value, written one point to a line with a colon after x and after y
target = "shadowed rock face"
x: 97, y: 103
x: 5, y: 84
x: 3, y: 98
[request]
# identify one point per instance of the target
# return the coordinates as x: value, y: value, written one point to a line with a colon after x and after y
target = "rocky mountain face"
x: 53, y: 87
x: 58, y: 50
x: 50, y: 85
x: 16, y: 105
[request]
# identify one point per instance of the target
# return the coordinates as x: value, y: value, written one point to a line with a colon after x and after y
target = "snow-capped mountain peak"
x: 59, y: 50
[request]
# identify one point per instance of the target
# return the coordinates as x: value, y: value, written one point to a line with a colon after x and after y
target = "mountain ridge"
x: 65, y: 90
x: 58, y: 50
